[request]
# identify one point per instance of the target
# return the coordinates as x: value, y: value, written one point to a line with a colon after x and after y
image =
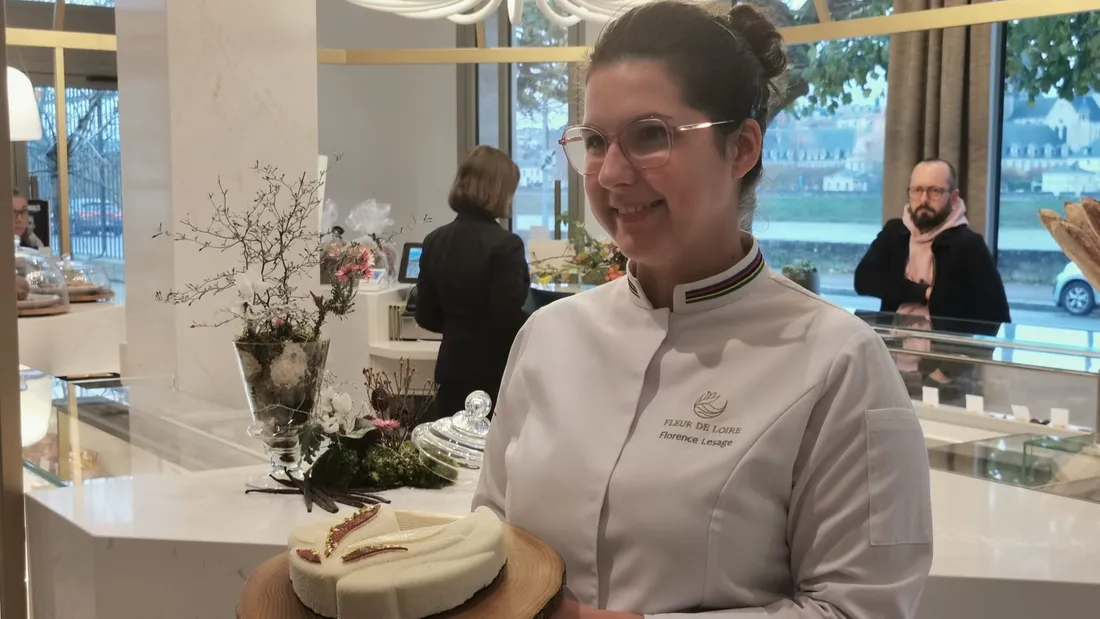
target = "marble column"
x: 207, y: 88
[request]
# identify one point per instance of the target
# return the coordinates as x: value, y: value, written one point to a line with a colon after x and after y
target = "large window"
x: 539, y: 113
x: 95, y: 173
x: 821, y: 198
x: 1049, y: 154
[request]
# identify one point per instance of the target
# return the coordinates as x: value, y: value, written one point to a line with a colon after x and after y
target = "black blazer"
x: 967, y: 286
x: 472, y: 288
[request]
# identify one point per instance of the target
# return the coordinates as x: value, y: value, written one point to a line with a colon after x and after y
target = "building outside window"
x: 1049, y: 154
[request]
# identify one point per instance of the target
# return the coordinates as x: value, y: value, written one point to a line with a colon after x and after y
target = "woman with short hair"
x: 474, y: 280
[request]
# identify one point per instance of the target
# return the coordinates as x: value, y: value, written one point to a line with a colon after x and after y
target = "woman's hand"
x: 570, y: 609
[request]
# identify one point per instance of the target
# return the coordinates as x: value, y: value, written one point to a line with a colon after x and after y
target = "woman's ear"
x: 743, y: 148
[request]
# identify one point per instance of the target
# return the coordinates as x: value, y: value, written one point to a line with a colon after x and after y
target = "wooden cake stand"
x: 94, y: 296
x: 529, y: 587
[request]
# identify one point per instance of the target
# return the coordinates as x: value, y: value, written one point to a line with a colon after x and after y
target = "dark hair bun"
x: 767, y: 44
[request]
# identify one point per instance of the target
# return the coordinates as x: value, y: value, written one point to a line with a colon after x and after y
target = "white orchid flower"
x: 251, y: 284
x: 341, y: 404
x: 330, y: 424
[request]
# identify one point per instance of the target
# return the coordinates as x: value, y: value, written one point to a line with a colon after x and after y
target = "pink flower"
x: 386, y: 424
x: 277, y: 322
x: 343, y: 272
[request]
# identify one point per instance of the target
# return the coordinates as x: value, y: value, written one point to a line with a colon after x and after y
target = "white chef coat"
x: 752, y: 452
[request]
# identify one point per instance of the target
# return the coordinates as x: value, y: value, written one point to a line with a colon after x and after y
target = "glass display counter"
x: 1064, y: 466
x: 1038, y: 397
x: 1002, y: 372
x: 78, y: 430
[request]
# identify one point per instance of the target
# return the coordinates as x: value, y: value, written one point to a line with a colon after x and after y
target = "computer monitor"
x: 410, y: 263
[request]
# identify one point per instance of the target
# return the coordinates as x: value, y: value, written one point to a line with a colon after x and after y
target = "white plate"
x: 38, y: 301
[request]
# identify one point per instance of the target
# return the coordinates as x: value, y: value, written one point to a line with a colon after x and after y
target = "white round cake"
x: 365, y: 566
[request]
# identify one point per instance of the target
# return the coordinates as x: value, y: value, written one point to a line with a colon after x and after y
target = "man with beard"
x: 936, y: 273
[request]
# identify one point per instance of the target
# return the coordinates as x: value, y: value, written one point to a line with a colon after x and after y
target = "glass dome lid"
x: 39, y: 281
x: 457, y: 442
x: 83, y: 278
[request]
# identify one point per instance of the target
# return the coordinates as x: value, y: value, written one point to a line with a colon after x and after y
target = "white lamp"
x: 26, y: 124
x: 36, y: 408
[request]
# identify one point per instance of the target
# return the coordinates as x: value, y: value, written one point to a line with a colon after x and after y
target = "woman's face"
x: 664, y: 216
x: 19, y: 206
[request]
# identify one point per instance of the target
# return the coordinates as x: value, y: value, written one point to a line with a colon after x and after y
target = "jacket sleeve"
x: 860, y: 525
x: 987, y: 288
x: 429, y: 311
x: 511, y: 411
x: 509, y: 284
x: 873, y: 277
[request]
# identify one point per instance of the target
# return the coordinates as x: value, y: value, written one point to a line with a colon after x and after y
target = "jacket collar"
x: 715, y: 291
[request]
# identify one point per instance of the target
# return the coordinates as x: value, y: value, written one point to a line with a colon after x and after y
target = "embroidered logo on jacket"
x: 707, y: 407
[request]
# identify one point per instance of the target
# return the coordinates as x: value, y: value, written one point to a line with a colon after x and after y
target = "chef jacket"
x: 751, y: 452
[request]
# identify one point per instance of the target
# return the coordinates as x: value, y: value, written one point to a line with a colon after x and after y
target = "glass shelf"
x: 1067, y: 467
x: 79, y: 430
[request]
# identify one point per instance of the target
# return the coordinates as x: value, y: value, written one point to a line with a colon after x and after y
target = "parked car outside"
x: 1074, y: 293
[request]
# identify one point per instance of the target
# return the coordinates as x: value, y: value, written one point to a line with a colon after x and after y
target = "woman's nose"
x: 616, y: 169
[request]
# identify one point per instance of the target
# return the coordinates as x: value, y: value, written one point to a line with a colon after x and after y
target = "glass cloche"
x: 456, y: 443
x: 86, y: 281
x: 40, y: 285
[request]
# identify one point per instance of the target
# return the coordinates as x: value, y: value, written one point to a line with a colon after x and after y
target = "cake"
x: 368, y: 566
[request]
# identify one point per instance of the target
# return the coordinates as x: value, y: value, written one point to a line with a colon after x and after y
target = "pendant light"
x: 23, y: 116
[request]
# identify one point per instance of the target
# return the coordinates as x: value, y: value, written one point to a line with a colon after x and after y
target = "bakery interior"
x: 125, y: 495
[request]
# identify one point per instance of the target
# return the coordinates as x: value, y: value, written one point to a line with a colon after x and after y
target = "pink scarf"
x: 922, y: 268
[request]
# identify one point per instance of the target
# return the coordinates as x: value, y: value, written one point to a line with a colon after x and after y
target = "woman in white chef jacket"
x: 703, y: 435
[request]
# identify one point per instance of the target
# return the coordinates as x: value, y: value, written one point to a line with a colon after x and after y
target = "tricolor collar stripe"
x: 633, y: 289
x: 726, y: 286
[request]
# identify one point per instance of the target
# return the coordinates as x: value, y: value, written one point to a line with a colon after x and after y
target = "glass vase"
x: 282, y: 382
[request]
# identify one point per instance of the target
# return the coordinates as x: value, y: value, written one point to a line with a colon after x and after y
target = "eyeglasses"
x: 933, y: 192
x: 646, y: 143
x: 21, y: 212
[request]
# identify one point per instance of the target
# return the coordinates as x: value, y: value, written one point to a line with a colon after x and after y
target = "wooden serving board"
x: 52, y: 310
x: 91, y: 297
x: 529, y: 587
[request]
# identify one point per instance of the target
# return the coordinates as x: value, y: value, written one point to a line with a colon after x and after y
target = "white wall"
x: 396, y: 126
x: 207, y: 88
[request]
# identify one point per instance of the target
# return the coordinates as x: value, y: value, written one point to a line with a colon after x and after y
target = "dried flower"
x: 386, y: 424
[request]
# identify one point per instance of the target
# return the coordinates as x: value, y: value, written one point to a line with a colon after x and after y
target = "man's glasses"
x: 21, y: 212
x: 935, y: 193
x: 646, y: 143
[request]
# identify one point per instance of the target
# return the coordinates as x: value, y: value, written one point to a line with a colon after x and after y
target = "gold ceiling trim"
x: 932, y: 19
x: 822, y: 8
x: 28, y: 37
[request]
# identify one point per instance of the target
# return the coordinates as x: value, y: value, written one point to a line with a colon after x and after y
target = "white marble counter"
x: 182, y: 545
x: 84, y: 341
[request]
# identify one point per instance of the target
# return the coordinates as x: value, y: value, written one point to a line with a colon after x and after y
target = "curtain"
x: 938, y: 105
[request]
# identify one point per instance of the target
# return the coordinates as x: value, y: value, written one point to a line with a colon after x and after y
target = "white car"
x: 1073, y: 293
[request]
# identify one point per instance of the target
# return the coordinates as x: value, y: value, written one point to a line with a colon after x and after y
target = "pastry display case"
x: 1034, y: 392
x: 86, y: 282
x: 1037, y: 378
x: 40, y: 285
x: 79, y: 430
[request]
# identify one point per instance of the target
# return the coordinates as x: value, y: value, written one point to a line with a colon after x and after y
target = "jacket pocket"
x: 897, y: 479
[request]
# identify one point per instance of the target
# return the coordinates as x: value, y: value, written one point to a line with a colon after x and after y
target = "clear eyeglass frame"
x: 646, y: 143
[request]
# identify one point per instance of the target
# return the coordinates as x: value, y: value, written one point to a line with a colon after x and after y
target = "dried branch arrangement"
x: 278, y: 252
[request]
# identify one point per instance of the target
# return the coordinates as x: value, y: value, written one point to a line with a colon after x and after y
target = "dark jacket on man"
x: 473, y: 285
x: 967, y: 287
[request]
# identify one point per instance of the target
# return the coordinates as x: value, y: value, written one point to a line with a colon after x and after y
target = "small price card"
x: 930, y: 396
x: 1021, y: 413
x: 975, y: 404
x: 1059, y: 417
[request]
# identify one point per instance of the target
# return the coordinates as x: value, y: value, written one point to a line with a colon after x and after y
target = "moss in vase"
x: 387, y: 469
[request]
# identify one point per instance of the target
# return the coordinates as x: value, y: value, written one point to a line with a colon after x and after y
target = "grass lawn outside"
x: 1017, y: 210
